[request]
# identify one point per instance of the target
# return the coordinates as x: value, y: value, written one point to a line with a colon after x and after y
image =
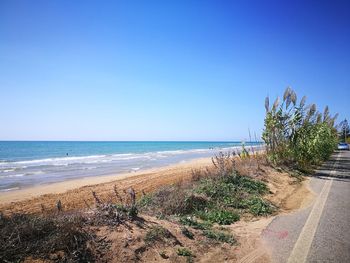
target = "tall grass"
x: 296, y: 134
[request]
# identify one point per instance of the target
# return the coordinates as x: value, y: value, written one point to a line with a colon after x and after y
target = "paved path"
x: 320, y: 232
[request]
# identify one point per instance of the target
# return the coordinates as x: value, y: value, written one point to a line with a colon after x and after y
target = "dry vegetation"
x: 187, y: 221
x: 199, y: 215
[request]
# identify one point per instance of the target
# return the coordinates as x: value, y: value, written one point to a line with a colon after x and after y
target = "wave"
x: 10, y: 166
x: 102, y: 159
x: 12, y: 175
x: 9, y: 170
x: 9, y: 189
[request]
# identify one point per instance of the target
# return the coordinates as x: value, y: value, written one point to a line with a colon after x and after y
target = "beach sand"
x: 286, y: 192
x: 77, y: 193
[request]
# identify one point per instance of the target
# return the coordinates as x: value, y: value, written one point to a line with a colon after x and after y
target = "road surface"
x: 320, y: 232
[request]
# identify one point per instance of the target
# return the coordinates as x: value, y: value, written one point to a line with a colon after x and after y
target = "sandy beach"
x: 77, y: 193
x: 77, y: 196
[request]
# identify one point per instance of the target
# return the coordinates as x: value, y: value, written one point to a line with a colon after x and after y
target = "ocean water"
x: 27, y: 163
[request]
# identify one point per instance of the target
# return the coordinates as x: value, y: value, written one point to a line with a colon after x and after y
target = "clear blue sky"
x: 165, y: 70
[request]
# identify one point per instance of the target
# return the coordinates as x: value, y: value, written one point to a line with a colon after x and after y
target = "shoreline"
x: 18, y: 175
x: 36, y: 191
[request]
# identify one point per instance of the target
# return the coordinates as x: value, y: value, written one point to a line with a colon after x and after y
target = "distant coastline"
x: 24, y: 164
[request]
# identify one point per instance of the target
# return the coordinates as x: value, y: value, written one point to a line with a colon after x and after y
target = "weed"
x: 190, y: 221
x: 224, y: 163
x: 145, y: 201
x: 170, y: 200
x: 185, y: 252
x: 111, y: 214
x: 156, y: 233
x: 220, y: 236
x: 222, y: 217
x: 249, y: 185
x: 29, y: 235
x: 187, y: 233
x: 258, y: 206
x: 230, y: 190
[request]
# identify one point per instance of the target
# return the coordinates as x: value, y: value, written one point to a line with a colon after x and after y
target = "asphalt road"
x: 320, y: 232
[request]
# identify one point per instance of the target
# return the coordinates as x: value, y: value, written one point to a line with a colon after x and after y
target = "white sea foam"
x: 9, y: 167
x: 9, y: 189
x: 9, y: 170
x: 11, y: 175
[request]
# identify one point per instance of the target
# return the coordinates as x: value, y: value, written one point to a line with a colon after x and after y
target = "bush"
x: 225, y: 188
x: 190, y: 221
x: 258, y: 206
x: 222, y: 217
x: 37, y: 236
x: 220, y: 236
x: 185, y: 252
x: 174, y: 200
x: 215, y: 188
x: 297, y: 135
x: 249, y: 185
x: 230, y: 190
x: 111, y: 214
x: 145, y: 201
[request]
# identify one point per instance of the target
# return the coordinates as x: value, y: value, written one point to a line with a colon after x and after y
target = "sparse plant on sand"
x: 220, y: 236
x: 185, y: 252
x: 187, y: 233
x: 157, y: 233
x: 194, y: 223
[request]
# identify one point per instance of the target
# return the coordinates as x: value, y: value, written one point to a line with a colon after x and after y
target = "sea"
x: 27, y: 163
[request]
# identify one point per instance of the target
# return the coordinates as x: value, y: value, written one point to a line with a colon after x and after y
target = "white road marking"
x: 303, y: 244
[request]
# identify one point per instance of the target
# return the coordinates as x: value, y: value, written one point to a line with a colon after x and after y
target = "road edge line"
x: 302, y: 245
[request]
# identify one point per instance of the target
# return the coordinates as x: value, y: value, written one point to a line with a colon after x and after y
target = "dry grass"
x: 45, y: 237
x: 200, y: 201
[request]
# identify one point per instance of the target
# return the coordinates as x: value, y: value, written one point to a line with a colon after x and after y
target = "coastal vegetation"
x: 218, y: 195
x: 198, y: 209
x: 297, y: 135
x: 48, y: 237
x: 182, y: 220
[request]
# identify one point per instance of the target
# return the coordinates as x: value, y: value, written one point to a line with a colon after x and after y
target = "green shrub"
x: 296, y: 135
x: 222, y: 217
x: 190, y: 221
x: 250, y: 185
x: 220, y: 236
x: 230, y: 190
x: 184, y: 252
x: 215, y: 188
x: 133, y: 211
x: 257, y: 206
x: 145, y: 200
x: 123, y: 211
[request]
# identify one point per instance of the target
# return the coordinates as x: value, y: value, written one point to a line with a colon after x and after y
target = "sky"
x: 165, y: 70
